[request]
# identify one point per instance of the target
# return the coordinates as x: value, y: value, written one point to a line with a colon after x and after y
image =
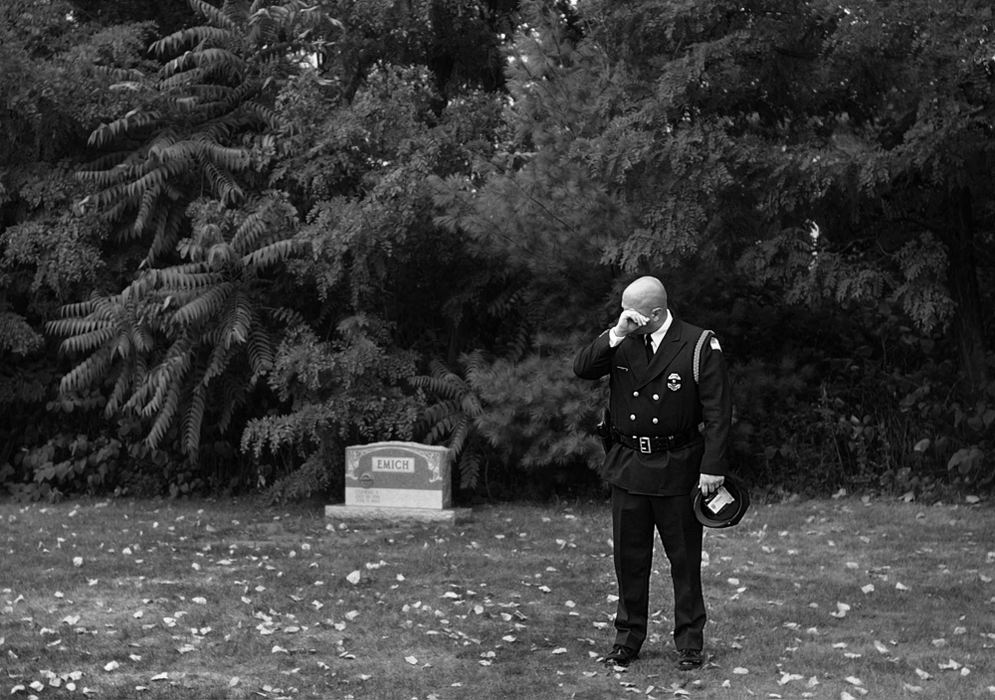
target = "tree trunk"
x: 962, y: 273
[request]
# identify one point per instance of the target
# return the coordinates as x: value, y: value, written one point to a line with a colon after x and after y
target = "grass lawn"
x: 230, y: 599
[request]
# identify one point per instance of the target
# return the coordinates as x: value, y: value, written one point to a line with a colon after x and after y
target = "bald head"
x: 648, y: 296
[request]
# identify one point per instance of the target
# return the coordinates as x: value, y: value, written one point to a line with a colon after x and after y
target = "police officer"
x: 670, y: 415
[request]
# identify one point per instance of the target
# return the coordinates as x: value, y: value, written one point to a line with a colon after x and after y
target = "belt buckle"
x: 645, y: 445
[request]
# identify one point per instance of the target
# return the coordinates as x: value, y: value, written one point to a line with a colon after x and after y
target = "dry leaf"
x: 841, y: 610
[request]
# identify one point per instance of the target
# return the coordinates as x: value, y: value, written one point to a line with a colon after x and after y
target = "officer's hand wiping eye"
x: 630, y: 320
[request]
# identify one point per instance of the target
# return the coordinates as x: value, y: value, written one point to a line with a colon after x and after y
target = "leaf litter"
x: 458, y: 604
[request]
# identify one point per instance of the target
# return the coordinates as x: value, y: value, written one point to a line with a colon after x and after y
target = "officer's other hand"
x: 628, y: 321
x: 707, y: 483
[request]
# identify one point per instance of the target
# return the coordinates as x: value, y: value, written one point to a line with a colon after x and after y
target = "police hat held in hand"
x: 724, y: 507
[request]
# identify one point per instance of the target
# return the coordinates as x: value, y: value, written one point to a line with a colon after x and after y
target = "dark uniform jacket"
x: 661, y: 399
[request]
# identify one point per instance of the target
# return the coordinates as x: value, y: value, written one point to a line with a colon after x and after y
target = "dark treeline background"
x: 236, y: 238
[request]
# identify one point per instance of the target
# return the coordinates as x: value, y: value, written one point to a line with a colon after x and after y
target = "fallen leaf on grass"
x: 111, y: 666
x: 559, y: 650
x: 841, y: 610
x: 413, y: 660
x: 353, y: 577
x: 923, y: 674
x: 788, y: 677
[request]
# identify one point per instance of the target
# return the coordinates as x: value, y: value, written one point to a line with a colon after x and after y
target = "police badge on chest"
x: 673, y: 381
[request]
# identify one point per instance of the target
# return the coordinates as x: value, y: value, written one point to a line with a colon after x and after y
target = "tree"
x: 796, y: 162
x: 178, y: 330
x: 843, y: 152
x: 50, y: 97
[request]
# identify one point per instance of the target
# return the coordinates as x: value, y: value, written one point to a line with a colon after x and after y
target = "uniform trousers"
x: 634, y: 518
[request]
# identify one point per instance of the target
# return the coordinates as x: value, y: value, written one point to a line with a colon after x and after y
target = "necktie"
x: 649, y: 347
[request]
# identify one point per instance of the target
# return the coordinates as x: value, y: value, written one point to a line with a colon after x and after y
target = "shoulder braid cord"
x: 696, y: 368
x: 697, y: 353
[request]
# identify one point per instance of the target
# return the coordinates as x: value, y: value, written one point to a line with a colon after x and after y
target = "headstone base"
x: 346, y: 513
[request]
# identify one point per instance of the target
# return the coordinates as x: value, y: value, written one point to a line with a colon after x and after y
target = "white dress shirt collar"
x: 658, y: 334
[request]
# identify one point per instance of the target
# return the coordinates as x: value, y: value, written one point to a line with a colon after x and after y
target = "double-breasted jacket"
x: 660, y: 398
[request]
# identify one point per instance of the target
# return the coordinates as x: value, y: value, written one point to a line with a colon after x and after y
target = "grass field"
x: 231, y: 599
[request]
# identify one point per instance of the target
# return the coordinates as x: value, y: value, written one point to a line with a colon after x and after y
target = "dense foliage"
x: 236, y: 237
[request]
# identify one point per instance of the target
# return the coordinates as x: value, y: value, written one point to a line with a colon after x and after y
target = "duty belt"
x: 648, y: 444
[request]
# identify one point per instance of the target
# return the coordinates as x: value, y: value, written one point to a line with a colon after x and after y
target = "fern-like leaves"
x: 168, y: 339
x: 452, y: 418
x: 219, y: 84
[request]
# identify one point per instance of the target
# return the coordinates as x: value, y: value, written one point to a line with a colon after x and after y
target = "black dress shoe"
x: 621, y: 656
x: 689, y: 659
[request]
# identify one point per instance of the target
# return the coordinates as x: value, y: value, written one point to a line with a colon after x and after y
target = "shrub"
x: 516, y: 428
